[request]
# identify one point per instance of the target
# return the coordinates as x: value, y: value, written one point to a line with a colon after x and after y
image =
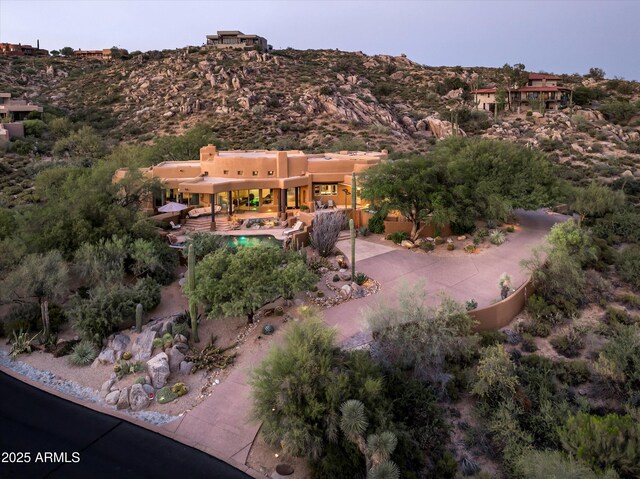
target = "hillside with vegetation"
x: 557, y: 390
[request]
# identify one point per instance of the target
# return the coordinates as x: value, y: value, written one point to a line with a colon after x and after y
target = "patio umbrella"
x: 172, y: 207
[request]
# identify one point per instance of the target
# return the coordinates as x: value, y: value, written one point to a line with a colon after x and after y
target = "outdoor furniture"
x: 194, y: 213
x: 331, y: 204
x: 319, y: 205
x: 295, y: 228
x: 172, y: 207
x: 174, y: 226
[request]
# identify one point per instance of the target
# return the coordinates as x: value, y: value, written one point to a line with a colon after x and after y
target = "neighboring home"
x: 237, y: 39
x: 19, y: 50
x: 104, y: 54
x: 15, y: 110
x: 260, y: 180
x: 541, y: 91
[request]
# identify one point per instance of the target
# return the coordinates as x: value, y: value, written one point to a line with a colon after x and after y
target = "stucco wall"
x: 500, y: 314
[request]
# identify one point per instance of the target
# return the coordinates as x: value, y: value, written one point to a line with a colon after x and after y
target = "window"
x: 325, y: 190
x: 254, y: 172
x: 225, y: 172
x: 240, y: 172
x: 270, y: 172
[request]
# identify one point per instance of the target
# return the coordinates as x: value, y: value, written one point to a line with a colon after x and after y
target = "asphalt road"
x: 36, y: 422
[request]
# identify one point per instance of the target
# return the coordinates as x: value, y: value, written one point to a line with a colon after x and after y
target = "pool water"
x: 253, y: 240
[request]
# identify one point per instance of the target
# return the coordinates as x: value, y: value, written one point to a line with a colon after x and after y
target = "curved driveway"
x: 462, y: 277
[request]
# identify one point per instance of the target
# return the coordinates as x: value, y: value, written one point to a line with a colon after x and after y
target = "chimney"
x: 38, y: 44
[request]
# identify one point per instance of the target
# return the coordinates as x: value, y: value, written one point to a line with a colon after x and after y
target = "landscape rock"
x: 105, y: 389
x: 345, y: 291
x: 138, y: 398
x: 112, y: 398
x: 148, y: 389
x: 120, y: 342
x: 158, y: 369
x: 123, y: 399
x: 179, y: 338
x: 106, y: 356
x: 186, y: 367
x: 357, y: 291
x: 143, y: 345
x: 407, y: 244
x: 182, y: 347
x: 175, y: 358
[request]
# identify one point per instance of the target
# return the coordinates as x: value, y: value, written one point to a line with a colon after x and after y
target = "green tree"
x: 66, y: 51
x: 204, y: 244
x: 103, y: 262
x: 596, y: 201
x: 84, y: 144
x: 42, y: 278
x: 416, y: 187
x: 241, y: 283
x: 596, y: 73
x: 55, y: 53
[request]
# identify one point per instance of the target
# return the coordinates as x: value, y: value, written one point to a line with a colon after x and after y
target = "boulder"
x: 175, y: 358
x: 345, y: 291
x: 112, y: 398
x: 143, y: 345
x: 148, y: 389
x: 186, y: 367
x: 158, y: 369
x: 120, y: 342
x: 123, y: 399
x: 537, y: 114
x: 462, y: 238
x: 345, y: 276
x: 182, y: 347
x: 357, y: 291
x: 407, y: 244
x: 179, y: 338
x: 106, y: 356
x: 138, y: 398
x: 106, y: 387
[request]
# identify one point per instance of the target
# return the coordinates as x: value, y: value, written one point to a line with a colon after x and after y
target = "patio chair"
x: 319, y: 205
x: 331, y: 204
x: 174, y: 226
x: 295, y: 228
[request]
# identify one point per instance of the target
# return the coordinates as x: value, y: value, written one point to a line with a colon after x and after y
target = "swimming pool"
x: 253, y: 240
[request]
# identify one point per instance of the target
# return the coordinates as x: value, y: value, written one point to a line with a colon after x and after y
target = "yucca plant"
x: 497, y: 237
x: 21, y: 343
x: 83, y: 353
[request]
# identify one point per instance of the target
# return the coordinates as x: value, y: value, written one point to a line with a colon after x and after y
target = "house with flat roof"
x: 260, y: 180
x: 541, y: 90
x: 237, y: 39
x: 104, y: 54
x: 16, y: 109
x: 19, y: 50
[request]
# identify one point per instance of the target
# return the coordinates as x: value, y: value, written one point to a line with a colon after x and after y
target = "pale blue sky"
x: 554, y: 36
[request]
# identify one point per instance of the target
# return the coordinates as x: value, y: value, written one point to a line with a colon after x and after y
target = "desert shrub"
x: 398, y: 237
x: 528, y: 343
x: 552, y: 464
x: 316, y: 263
x: 148, y: 293
x: 427, y: 246
x: 615, y: 315
x: 205, y: 243
x: 25, y: 317
x: 470, y: 248
x: 491, y: 338
x: 570, y: 343
x: 482, y: 233
x: 83, y: 353
x: 618, y: 363
x: 104, y: 312
x: 620, y: 226
x: 573, y: 372
x: 446, y: 466
x: 496, y: 379
x: 181, y: 328
x: 463, y: 227
x: 363, y: 231
x: 535, y: 327
x: 419, y: 337
x: 619, y: 111
x: 326, y: 228
x: 376, y: 222
x: 598, y: 289
x: 471, y: 304
x: 155, y: 259
x: 450, y: 246
x: 34, y: 127
x: 612, y: 441
x: 629, y: 299
x: 629, y: 265
x: 497, y: 237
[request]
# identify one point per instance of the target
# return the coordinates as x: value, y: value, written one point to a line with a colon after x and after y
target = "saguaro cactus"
x: 138, y: 318
x: 191, y: 284
x: 353, y: 195
x: 352, y: 230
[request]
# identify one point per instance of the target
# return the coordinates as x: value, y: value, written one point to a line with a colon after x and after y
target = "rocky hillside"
x: 317, y: 99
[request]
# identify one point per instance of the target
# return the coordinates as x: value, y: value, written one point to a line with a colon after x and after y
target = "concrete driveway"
x: 462, y: 277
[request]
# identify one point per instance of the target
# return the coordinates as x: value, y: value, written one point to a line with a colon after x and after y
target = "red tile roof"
x: 484, y: 90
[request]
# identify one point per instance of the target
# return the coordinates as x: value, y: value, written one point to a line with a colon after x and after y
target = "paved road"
x: 35, y: 421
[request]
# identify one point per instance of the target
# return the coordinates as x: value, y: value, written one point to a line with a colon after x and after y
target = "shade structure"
x: 172, y: 207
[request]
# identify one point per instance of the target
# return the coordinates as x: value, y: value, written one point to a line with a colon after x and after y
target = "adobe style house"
x: 541, y: 90
x: 19, y: 50
x: 260, y: 180
x: 15, y: 110
x: 237, y: 39
x: 104, y: 54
